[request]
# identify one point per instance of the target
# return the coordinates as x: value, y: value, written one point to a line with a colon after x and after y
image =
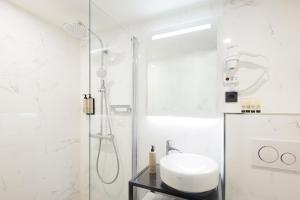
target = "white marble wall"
x: 247, y: 182
x: 39, y: 109
x: 269, y: 28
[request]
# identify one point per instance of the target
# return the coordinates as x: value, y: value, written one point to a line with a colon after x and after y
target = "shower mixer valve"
x: 101, y: 136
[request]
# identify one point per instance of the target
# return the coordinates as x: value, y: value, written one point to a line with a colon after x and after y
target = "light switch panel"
x: 283, y: 155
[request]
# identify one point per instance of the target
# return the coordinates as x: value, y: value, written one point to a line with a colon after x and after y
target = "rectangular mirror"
x: 182, y: 72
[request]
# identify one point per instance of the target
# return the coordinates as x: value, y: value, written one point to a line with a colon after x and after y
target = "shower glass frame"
x: 134, y: 65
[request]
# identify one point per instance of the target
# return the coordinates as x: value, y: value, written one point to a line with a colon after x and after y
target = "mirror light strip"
x: 181, y: 32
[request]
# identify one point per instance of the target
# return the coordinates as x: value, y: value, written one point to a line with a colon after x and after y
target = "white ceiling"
x: 123, y: 11
x: 130, y: 11
x: 56, y: 11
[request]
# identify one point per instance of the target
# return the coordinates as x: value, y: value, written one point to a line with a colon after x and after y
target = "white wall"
x: 39, y: 109
x: 269, y: 28
x: 191, y: 135
x: 244, y: 180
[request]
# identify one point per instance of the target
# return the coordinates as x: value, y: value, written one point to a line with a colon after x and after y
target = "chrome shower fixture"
x: 106, y: 134
x: 80, y: 31
x: 76, y: 29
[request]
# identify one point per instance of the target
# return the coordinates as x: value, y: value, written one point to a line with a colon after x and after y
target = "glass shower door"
x: 111, y: 127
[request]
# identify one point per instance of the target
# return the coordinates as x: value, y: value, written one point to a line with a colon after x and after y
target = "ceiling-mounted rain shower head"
x: 76, y: 29
x: 81, y: 31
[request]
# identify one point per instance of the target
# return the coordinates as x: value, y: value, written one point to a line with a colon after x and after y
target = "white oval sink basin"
x: 189, y: 172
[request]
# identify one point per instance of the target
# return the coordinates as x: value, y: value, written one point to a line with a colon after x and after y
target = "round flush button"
x: 268, y: 154
x: 288, y: 158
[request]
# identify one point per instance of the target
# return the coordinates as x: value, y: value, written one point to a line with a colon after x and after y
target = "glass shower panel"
x: 111, y: 126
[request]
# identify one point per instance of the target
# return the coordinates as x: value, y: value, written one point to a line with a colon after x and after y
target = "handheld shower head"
x: 101, y: 73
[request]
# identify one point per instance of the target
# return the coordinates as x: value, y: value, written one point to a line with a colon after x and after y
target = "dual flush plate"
x: 282, y: 155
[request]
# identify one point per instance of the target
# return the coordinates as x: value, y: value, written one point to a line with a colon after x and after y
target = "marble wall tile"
x: 246, y: 181
x: 39, y: 109
x: 268, y: 28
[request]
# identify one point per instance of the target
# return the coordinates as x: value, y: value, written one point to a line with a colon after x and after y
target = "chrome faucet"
x: 169, y: 147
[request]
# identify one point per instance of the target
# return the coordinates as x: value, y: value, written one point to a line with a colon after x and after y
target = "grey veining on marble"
x: 39, y: 109
x: 269, y: 183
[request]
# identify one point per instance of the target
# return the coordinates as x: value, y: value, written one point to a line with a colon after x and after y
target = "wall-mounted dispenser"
x: 91, y: 110
x: 88, y: 104
x: 85, y: 104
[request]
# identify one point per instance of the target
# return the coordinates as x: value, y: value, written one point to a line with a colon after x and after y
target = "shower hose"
x: 104, y: 103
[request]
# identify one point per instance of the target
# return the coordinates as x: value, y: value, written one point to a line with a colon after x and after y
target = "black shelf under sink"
x: 153, y: 182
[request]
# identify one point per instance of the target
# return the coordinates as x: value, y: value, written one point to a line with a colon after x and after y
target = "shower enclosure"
x: 111, y: 76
